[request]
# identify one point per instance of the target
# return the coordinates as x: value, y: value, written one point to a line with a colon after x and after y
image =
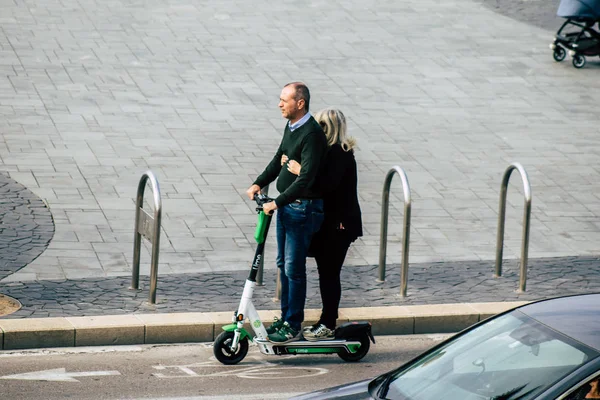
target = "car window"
x: 588, y: 389
x: 508, y: 358
x: 503, y: 352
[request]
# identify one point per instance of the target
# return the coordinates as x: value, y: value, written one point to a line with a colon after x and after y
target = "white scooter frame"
x: 352, y: 339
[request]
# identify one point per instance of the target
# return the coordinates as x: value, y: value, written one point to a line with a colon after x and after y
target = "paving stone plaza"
x: 93, y: 94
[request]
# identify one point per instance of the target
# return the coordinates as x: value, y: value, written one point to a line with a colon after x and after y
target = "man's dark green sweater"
x: 306, y: 145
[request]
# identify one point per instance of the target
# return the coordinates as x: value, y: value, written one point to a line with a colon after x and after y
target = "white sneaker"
x: 321, y: 332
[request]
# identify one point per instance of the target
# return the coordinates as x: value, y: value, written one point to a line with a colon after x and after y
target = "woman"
x: 342, y: 224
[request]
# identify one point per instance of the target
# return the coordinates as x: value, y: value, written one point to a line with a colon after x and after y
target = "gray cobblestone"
x: 540, y: 13
x: 26, y: 229
x: 429, y: 283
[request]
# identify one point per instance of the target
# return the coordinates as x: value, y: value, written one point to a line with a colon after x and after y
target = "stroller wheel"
x: 559, y: 54
x: 578, y: 61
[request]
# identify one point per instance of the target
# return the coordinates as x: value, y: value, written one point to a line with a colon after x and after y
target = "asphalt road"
x: 189, y: 371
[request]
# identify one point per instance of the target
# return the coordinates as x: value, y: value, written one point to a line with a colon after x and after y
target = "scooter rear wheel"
x: 222, y: 349
x: 365, y: 344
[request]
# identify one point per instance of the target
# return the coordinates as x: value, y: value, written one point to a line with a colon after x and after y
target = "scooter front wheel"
x: 223, y: 352
x: 362, y: 351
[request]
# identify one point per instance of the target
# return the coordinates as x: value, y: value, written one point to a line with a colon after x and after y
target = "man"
x: 299, y: 205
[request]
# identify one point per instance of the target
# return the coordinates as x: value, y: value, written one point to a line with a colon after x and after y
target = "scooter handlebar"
x: 262, y: 199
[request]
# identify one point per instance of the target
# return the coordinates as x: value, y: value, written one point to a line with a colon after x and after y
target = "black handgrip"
x: 262, y: 199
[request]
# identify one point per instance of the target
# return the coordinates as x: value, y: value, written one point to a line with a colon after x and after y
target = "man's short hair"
x: 302, y: 92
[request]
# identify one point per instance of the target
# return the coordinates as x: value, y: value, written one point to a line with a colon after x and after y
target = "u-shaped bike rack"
x: 526, y: 222
x: 384, y: 227
x: 406, y: 228
x: 147, y: 226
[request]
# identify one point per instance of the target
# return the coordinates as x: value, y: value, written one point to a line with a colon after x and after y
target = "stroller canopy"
x: 582, y: 9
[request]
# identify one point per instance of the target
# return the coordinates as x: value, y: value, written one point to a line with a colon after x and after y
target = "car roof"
x: 575, y: 316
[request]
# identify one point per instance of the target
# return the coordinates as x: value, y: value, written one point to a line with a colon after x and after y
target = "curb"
x: 130, y: 329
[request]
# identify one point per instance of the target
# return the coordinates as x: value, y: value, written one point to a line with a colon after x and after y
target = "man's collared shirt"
x: 300, y: 122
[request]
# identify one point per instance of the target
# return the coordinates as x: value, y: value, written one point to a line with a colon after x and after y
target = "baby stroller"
x: 577, y: 35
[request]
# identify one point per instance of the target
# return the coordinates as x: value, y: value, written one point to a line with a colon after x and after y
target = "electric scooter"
x: 351, y: 342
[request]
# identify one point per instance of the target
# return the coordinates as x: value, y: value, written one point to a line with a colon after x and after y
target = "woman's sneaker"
x: 275, y: 326
x: 321, y: 332
x: 285, y: 334
x: 309, y: 328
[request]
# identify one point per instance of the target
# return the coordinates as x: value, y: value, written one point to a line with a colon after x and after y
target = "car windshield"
x: 512, y: 357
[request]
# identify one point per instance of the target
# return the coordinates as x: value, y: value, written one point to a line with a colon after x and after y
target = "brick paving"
x: 92, y: 94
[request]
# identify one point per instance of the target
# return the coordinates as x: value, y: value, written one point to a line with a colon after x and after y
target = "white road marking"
x: 57, y: 375
x: 251, y: 370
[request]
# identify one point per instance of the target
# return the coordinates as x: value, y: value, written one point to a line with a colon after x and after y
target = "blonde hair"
x: 333, y: 123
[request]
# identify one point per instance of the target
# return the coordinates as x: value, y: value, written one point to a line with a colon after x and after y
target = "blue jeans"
x: 296, y: 224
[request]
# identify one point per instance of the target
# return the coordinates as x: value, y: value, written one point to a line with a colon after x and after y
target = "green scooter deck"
x: 318, y: 347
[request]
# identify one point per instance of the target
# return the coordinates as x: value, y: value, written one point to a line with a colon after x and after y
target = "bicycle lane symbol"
x: 256, y: 370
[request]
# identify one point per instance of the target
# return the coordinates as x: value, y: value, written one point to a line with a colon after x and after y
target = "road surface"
x: 188, y: 371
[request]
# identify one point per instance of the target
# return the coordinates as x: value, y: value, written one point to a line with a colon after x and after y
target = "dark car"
x: 543, y: 350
